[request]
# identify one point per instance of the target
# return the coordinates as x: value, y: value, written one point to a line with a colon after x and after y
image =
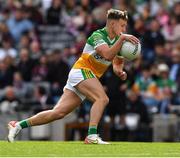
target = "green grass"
x: 78, y: 149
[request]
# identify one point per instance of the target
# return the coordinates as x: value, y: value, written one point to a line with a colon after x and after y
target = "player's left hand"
x: 122, y: 75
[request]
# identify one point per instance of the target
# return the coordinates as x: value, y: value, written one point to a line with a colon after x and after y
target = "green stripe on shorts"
x: 87, y: 74
x: 83, y: 74
x: 92, y: 76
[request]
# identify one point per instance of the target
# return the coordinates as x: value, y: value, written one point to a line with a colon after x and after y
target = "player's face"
x: 119, y: 26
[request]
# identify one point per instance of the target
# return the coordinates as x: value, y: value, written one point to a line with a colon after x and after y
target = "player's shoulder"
x: 101, y: 32
x: 97, y: 36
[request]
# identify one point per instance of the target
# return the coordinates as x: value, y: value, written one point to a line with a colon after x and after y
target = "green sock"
x: 24, y: 124
x: 92, y: 130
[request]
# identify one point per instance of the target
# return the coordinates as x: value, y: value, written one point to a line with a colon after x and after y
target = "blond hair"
x: 117, y: 14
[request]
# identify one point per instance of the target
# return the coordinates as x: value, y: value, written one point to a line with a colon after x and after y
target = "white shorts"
x: 75, y: 77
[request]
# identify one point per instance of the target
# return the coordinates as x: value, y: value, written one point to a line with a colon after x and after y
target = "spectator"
x: 40, y: 71
x: 171, y: 30
x: 32, y: 12
x: 58, y: 72
x: 150, y: 39
x: 162, y: 16
x: 78, y: 20
x: 175, y: 66
x: 176, y: 11
x: 54, y: 13
x: 166, y: 88
x: 135, y: 105
x: 25, y: 65
x: 86, y: 5
x: 18, y: 25
x: 7, y: 49
x: 99, y: 16
x: 5, y: 15
x: 20, y: 87
x: 161, y: 54
x: 174, y: 73
x: 137, y: 119
x: 115, y: 89
x: 12, y: 5
x: 35, y: 50
x: 146, y: 87
x: 70, y: 8
x: 6, y: 74
x: 146, y: 14
x: 139, y: 27
x: 24, y: 42
x: 9, y: 103
x: 70, y: 56
x: 42, y: 99
x: 4, y: 32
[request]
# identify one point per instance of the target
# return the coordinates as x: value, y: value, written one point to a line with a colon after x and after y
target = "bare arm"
x: 110, y: 52
x: 118, y: 65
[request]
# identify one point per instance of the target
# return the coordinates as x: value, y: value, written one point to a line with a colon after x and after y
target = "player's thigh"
x: 92, y: 88
x: 68, y: 102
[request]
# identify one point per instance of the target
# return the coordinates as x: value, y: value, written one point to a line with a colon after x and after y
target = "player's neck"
x: 110, y: 33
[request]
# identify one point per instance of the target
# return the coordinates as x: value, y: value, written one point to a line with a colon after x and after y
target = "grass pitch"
x: 78, y: 149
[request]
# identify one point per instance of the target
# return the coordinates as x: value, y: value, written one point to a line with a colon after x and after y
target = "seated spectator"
x: 25, y: 64
x: 166, y: 88
x: 161, y: 55
x: 17, y: 24
x: 4, y: 32
x: 20, y: 86
x: 70, y: 56
x: 150, y: 38
x: 32, y: 12
x: 70, y: 8
x: 58, y: 73
x: 79, y: 19
x: 5, y: 14
x: 137, y: 118
x: 9, y: 103
x: 7, y: 49
x: 24, y: 42
x: 146, y: 87
x: 139, y: 27
x: 169, y: 30
x: 40, y: 71
x: 135, y: 105
x: 42, y: 99
x: 174, y: 73
x: 6, y: 74
x: 86, y: 5
x: 54, y: 13
x: 164, y: 81
x: 176, y: 9
x: 35, y: 50
x: 115, y: 89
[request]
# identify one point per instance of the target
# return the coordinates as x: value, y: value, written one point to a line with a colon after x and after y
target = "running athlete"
x: 83, y: 80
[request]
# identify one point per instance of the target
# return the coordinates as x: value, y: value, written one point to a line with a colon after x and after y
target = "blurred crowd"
x: 32, y: 77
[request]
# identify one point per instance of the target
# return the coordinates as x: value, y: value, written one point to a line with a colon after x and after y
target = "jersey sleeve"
x: 96, y: 39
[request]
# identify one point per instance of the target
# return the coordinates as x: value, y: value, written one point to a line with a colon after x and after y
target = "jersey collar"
x: 106, y: 33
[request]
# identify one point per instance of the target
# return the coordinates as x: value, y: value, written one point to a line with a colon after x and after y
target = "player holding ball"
x: 102, y: 49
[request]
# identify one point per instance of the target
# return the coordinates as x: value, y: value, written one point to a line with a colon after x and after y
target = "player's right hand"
x: 130, y: 38
x: 122, y: 75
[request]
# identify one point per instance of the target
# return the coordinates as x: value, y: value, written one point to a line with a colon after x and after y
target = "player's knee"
x: 104, y: 100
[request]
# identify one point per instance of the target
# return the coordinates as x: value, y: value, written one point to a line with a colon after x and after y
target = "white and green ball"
x: 130, y: 51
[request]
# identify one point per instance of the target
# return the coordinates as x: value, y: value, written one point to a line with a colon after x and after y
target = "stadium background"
x: 40, y: 41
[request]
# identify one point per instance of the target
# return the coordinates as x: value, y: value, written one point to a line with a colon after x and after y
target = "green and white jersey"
x: 90, y: 59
